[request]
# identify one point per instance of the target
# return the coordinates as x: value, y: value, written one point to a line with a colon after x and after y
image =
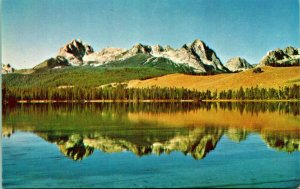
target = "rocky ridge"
x: 75, y: 51
x: 6, y: 69
x: 196, y: 55
x: 289, y: 56
x: 197, y: 142
x: 238, y: 64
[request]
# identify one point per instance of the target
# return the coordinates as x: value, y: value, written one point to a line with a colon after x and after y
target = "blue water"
x: 151, y: 145
x: 29, y: 161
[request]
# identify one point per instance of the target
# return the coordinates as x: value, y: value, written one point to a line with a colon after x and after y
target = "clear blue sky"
x: 34, y: 30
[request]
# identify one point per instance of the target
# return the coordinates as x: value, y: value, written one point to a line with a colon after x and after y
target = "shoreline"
x: 144, y: 101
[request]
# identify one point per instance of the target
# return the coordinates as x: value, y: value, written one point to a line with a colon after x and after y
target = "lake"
x: 151, y: 145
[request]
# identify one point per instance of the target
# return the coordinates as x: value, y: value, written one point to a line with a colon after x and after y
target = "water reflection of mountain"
x: 150, y: 128
x: 70, y: 145
x: 195, y: 142
x: 286, y: 142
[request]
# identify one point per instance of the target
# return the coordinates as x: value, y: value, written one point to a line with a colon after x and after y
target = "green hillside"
x: 80, y: 76
x: 143, y: 60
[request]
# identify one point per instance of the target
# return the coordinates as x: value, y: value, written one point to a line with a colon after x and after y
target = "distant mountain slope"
x: 289, y: 56
x: 238, y: 64
x: 57, y: 62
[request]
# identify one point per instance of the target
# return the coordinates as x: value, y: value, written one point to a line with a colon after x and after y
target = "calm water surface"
x: 151, y: 145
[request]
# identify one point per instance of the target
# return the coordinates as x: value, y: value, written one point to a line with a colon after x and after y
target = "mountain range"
x: 77, y: 64
x: 193, y: 58
x: 196, y: 55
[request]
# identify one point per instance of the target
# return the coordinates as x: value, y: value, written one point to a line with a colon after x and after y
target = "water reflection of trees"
x: 257, y: 107
x: 159, y: 107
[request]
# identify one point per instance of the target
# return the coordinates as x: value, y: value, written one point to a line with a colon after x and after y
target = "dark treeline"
x: 156, y: 107
x: 154, y: 93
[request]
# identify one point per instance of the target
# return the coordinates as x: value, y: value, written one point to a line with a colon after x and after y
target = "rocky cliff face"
x: 238, y: 64
x: 6, y: 69
x: 196, y: 55
x: 106, y: 55
x: 289, y: 56
x: 75, y: 51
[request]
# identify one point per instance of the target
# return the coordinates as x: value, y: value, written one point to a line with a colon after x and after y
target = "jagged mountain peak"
x: 75, y: 50
x: 196, y: 44
x: 140, y: 48
x: 237, y: 59
x: 291, y: 51
x: 199, y: 44
x: 76, y: 42
x: 168, y: 48
x: 157, y: 48
x: 238, y: 64
x: 205, y: 55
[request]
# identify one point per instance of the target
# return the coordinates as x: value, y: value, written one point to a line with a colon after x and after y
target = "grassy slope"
x: 271, y: 77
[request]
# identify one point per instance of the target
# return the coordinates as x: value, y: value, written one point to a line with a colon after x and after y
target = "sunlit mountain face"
x: 194, y: 129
